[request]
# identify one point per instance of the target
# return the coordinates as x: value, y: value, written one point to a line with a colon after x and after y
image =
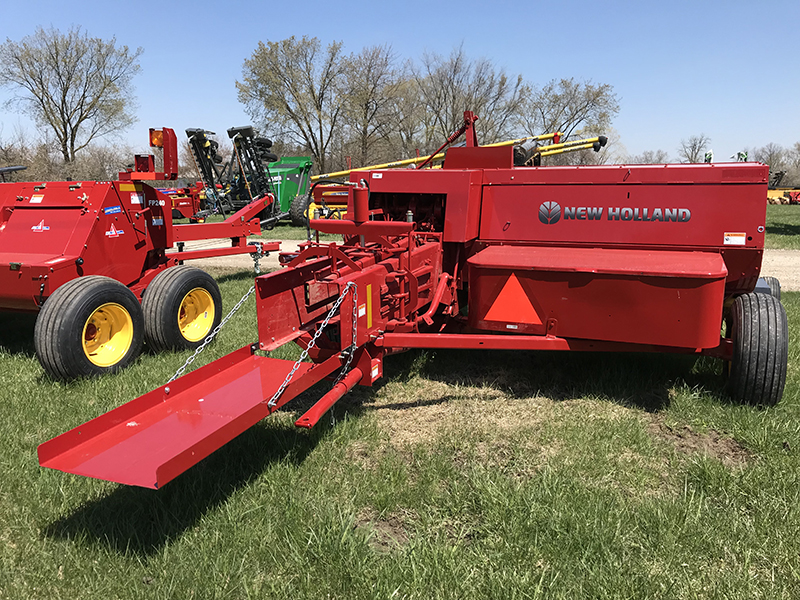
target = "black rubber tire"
x: 161, y: 306
x: 774, y: 286
x: 297, y: 211
x: 59, y: 331
x: 760, y: 334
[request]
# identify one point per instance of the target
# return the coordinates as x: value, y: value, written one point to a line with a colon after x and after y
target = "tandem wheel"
x: 89, y: 326
x: 181, y: 307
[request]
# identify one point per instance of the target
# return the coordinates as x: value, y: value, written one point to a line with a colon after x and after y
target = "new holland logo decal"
x: 40, y: 227
x: 552, y: 212
x: 549, y: 212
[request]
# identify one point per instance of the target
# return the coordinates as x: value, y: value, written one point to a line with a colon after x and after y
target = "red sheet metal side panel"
x: 479, y: 157
x: 665, y: 299
x: 713, y: 215
x: 152, y: 439
x: 462, y: 188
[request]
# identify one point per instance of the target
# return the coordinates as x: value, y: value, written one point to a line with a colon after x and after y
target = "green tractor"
x: 252, y: 171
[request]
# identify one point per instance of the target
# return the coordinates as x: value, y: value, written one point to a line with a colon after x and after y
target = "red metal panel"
x: 152, y: 439
x: 498, y: 157
x: 654, y: 263
x: 462, y: 188
x: 646, y: 214
x: 640, y: 297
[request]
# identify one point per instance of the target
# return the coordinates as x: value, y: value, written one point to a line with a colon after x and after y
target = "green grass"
x: 783, y: 226
x: 461, y: 475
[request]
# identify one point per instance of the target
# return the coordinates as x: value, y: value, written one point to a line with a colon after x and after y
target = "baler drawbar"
x: 479, y: 254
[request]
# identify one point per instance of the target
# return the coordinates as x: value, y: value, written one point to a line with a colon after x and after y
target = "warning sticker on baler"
x: 137, y: 198
x: 114, y: 232
x: 512, y: 305
x: 37, y: 198
x: 735, y: 239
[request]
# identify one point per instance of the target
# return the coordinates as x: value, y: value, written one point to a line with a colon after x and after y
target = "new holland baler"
x: 480, y: 255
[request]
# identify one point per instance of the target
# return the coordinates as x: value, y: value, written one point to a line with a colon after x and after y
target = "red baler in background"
x: 84, y: 254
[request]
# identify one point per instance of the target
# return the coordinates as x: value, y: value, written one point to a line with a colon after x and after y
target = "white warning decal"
x: 114, y: 232
x: 735, y: 239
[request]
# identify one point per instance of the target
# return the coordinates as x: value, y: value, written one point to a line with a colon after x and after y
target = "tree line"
x: 357, y: 108
x: 373, y: 107
x: 697, y: 148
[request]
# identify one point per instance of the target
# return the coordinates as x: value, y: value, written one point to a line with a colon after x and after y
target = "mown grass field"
x: 783, y: 226
x: 462, y: 475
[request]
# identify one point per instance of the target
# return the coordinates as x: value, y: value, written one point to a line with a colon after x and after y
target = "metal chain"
x: 350, y: 285
x: 257, y: 256
x: 352, y: 349
x: 211, y: 336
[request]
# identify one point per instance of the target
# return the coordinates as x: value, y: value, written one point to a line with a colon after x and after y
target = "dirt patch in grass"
x: 415, y: 414
x: 385, y: 534
x: 713, y: 443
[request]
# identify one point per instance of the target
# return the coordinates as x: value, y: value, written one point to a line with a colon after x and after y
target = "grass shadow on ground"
x: 16, y: 333
x: 640, y: 380
x: 783, y: 229
x: 140, y: 520
x: 240, y: 275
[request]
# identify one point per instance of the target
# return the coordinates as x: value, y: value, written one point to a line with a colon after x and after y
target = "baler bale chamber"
x: 480, y: 255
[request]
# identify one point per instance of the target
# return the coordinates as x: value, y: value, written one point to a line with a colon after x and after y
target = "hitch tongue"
x: 314, y: 414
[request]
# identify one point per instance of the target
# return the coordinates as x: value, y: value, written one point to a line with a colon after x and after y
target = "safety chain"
x: 211, y: 336
x: 352, y: 349
x: 350, y: 285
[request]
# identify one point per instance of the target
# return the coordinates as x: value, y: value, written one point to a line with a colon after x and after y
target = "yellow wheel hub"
x: 107, y: 335
x: 196, y: 315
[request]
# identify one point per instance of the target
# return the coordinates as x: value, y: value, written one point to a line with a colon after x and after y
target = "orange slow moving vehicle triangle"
x: 512, y: 305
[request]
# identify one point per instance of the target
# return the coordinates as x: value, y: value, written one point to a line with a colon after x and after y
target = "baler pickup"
x: 151, y: 440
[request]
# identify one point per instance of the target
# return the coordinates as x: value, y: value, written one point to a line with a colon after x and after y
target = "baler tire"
x: 760, y: 335
x: 297, y: 211
x: 774, y: 286
x: 89, y: 326
x: 181, y: 307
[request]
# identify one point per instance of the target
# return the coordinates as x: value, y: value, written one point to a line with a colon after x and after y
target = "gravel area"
x: 783, y: 264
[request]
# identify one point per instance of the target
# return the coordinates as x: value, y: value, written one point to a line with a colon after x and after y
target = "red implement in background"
x: 56, y: 233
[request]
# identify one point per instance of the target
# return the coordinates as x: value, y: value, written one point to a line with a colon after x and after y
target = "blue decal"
x: 112, y: 210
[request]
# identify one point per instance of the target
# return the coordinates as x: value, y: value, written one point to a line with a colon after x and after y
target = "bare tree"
x: 77, y: 86
x: 407, y: 116
x: 570, y: 107
x: 293, y: 89
x: 693, y: 149
x: 773, y: 155
x: 649, y: 157
x: 449, y: 86
x: 371, y: 88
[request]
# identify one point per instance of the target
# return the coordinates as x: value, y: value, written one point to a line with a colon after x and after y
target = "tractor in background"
x: 253, y: 170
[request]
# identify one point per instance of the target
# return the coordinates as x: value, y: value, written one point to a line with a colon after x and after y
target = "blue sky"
x: 729, y: 69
